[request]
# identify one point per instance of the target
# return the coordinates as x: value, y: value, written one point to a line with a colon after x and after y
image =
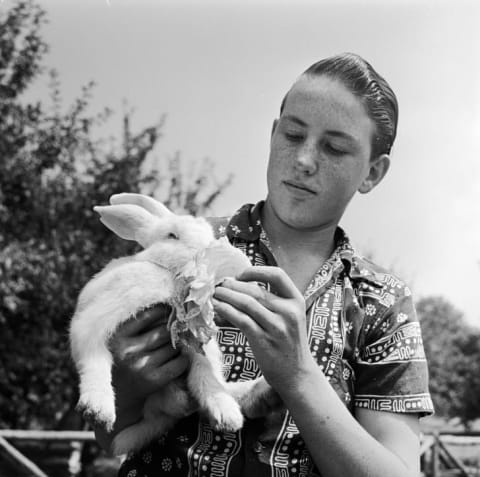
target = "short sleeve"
x: 391, y: 372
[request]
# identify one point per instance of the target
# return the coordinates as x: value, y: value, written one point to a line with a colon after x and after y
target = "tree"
x: 470, y: 396
x: 52, y: 171
x: 453, y: 353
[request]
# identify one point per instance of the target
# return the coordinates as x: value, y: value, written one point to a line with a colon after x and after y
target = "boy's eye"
x: 336, y: 151
x: 172, y: 236
x: 293, y: 137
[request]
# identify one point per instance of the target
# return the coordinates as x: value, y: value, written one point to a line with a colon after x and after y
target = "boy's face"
x: 319, y: 153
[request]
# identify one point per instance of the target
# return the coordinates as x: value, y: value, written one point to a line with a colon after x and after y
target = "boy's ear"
x: 378, y: 169
x: 145, y: 201
x: 128, y: 221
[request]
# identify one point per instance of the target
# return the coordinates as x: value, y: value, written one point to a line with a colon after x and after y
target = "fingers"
x: 247, y: 305
x: 156, y: 337
x: 252, y: 289
x: 281, y: 284
x: 154, y: 359
x: 136, y: 378
x: 149, y: 370
x: 246, y: 301
x: 253, y: 309
x: 170, y: 370
x: 145, y: 320
x: 146, y: 342
x: 161, y: 366
x: 144, y: 357
x: 236, y: 317
x: 250, y: 295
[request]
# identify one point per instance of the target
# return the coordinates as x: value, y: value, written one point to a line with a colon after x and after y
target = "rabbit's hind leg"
x: 256, y: 398
x: 173, y: 399
x: 221, y: 408
x: 97, y: 398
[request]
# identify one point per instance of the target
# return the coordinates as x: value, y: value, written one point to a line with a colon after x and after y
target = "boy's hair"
x: 359, y: 77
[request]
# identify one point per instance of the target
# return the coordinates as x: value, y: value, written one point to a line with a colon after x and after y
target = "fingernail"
x: 224, y: 281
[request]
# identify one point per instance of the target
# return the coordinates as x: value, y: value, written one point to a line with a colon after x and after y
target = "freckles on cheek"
x: 276, y: 171
x: 345, y: 172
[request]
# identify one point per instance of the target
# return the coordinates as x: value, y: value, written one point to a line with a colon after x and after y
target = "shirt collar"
x: 246, y: 225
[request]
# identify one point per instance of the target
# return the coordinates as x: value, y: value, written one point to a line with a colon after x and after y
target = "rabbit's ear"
x: 145, y: 201
x: 128, y: 221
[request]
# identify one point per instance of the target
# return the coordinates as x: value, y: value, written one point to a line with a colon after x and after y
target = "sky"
x: 219, y: 69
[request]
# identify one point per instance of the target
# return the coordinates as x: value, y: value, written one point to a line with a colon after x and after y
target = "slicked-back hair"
x: 359, y: 77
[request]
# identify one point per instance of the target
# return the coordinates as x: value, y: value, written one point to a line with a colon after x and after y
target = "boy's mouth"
x: 298, y: 186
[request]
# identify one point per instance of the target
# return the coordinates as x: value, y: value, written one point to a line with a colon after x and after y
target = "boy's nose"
x: 306, y: 161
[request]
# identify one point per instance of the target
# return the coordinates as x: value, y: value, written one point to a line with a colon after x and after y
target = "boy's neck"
x: 293, y: 242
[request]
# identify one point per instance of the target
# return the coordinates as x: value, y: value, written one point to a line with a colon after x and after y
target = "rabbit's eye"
x: 173, y: 236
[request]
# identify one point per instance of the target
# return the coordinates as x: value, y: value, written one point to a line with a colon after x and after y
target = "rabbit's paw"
x: 224, y: 412
x: 96, y: 407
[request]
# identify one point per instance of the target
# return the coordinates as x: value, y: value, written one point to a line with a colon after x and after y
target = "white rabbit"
x: 127, y: 285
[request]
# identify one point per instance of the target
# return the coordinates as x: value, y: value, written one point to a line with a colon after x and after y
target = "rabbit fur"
x: 130, y: 284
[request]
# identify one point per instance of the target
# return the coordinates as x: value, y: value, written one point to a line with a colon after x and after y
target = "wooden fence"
x: 436, y: 457
x: 439, y: 461
x: 25, y: 465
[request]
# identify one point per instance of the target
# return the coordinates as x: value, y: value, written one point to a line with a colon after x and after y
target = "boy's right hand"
x: 144, y: 361
x: 144, y: 358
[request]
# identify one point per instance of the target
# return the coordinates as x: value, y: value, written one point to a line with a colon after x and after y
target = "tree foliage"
x: 53, y: 169
x: 453, y: 353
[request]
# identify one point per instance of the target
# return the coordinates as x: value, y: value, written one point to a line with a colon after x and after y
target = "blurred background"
x: 176, y: 99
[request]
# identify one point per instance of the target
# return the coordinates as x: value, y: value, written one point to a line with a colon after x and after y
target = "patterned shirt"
x: 362, y: 331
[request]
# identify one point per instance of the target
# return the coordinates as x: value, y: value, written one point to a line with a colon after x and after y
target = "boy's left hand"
x: 273, y: 322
